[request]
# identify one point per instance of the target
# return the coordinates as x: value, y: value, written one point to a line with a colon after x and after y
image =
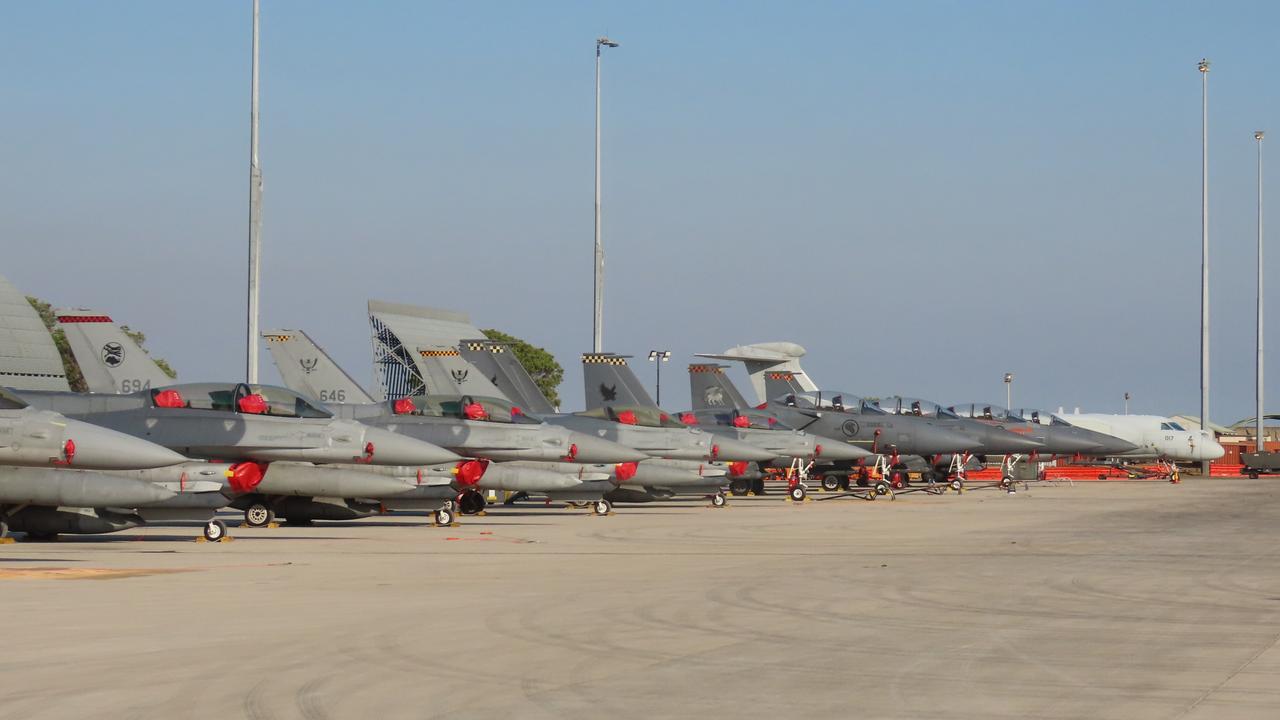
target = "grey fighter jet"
x: 479, y: 426
x: 276, y: 438
x: 1061, y: 439
x: 55, y: 471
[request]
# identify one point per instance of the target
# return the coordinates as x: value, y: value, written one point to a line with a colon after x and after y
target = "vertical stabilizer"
x: 761, y: 358
x: 445, y: 373
x: 308, y: 369
x: 711, y: 389
x: 28, y: 358
x: 608, y: 380
x: 110, y: 360
x: 497, y: 362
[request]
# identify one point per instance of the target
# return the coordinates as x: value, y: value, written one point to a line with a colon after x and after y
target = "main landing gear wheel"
x: 258, y: 515
x: 830, y: 483
x: 797, y: 493
x: 215, y: 530
x: 718, y: 500
x: 601, y: 507
x: 738, y: 488
x: 471, y: 503
x: 444, y: 517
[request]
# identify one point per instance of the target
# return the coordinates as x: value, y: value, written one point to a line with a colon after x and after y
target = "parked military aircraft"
x: 1057, y: 440
x: 478, y: 426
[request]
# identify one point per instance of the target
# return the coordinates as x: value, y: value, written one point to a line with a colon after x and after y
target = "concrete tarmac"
x: 1098, y: 600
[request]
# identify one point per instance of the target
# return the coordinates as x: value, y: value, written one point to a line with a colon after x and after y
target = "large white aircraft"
x: 1158, y: 438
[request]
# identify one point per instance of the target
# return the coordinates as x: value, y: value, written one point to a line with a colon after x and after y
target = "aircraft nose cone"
x: 592, y: 450
x: 837, y: 451
x: 736, y: 450
x: 98, y: 448
x: 1212, y: 450
x: 395, y: 449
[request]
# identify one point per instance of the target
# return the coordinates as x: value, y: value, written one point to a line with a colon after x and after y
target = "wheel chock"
x: 7, y: 541
x: 273, y: 525
x: 223, y: 539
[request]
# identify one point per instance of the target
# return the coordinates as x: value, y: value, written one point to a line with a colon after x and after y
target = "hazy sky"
x: 925, y: 195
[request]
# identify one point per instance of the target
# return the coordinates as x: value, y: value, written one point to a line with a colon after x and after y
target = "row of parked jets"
x: 138, y: 450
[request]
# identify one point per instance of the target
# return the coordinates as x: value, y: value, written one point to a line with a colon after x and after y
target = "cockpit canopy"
x: 984, y: 411
x: 9, y: 401
x: 241, y: 398
x: 900, y: 405
x: 825, y: 400
x: 1171, y: 425
x: 466, y: 407
x: 642, y: 416
x: 1039, y: 417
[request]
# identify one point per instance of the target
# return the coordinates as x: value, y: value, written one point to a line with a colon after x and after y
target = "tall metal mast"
x: 255, y: 215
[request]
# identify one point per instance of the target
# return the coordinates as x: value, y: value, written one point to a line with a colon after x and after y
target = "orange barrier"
x: 1226, y: 470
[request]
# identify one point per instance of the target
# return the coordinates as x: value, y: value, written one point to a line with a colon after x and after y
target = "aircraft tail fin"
x: 763, y: 358
x: 608, y: 380
x: 497, y: 362
x: 778, y: 383
x: 308, y: 369
x: 711, y: 389
x: 110, y: 360
x: 445, y: 372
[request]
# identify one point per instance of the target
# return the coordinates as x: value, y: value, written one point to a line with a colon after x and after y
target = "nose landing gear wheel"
x: 797, y: 493
x: 957, y: 484
x: 258, y: 515
x: 830, y: 483
x: 444, y: 517
x: 881, y: 487
x: 718, y: 500
x: 215, y: 530
x: 601, y: 507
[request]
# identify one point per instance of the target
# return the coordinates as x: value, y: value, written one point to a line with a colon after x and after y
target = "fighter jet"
x: 486, y: 427
x: 45, y: 463
x: 285, y: 445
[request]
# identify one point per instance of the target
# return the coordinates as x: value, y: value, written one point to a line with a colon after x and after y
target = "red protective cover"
x: 169, y: 399
x: 626, y: 471
x: 474, y: 411
x: 626, y: 417
x: 404, y: 406
x: 253, y: 404
x: 741, y: 421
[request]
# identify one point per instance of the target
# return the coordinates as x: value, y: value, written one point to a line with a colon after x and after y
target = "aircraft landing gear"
x: 602, y: 507
x: 258, y: 515
x: 444, y: 517
x: 215, y: 530
x: 739, y: 488
x: 830, y: 483
x: 719, y: 500
x: 797, y: 493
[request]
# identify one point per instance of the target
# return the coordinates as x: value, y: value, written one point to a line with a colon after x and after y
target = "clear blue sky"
x: 923, y: 194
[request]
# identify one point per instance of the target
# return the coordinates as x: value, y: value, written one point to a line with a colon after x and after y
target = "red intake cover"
x: 737, y: 469
x: 469, y: 472
x: 245, y: 476
x: 689, y: 418
x: 625, y: 471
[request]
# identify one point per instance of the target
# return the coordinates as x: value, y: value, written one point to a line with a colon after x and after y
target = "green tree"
x: 140, y: 339
x: 70, y: 367
x: 75, y: 378
x: 538, y: 362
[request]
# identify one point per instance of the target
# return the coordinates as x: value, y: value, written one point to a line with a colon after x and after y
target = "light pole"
x: 1126, y: 403
x: 1261, y: 442
x: 597, y: 327
x: 1204, y: 251
x: 255, y: 214
x: 658, y: 357
x: 1008, y: 390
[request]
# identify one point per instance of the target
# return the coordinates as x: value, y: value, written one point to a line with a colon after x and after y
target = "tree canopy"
x: 538, y: 362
